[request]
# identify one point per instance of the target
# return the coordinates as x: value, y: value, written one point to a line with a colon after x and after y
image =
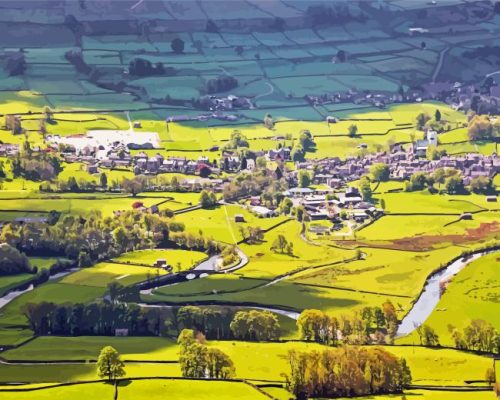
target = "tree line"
x: 346, y: 372
x: 96, y: 238
x: 370, y: 325
x: 103, y: 318
x: 226, y: 323
x: 199, y: 361
x: 478, y: 335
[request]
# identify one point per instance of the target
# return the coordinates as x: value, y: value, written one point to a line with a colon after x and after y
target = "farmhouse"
x: 263, y: 212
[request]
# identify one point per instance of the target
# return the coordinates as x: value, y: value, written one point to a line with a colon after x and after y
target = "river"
x: 429, y: 298
x: 6, y: 299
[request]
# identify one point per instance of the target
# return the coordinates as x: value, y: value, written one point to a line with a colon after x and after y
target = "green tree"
x: 380, y: 172
x: 304, y: 178
x: 353, y: 130
x: 279, y: 244
x: 219, y: 365
x: 207, y: 199
x: 365, y: 188
x: 482, y: 184
x: 428, y: 336
x: 437, y: 115
x: 454, y: 184
x: 110, y: 365
x: 421, y: 120
x: 104, y: 180
x: 480, y: 127
x: 177, y: 46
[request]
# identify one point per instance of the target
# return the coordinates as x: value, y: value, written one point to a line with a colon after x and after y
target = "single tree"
x: 353, y: 130
x: 177, y: 46
x: 110, y: 365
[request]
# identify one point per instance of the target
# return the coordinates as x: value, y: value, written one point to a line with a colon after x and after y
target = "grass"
x: 428, y: 366
x: 154, y: 389
x: 80, y: 206
x: 88, y: 348
x: 102, y: 274
x: 11, y: 281
x: 186, y: 259
x: 393, y: 272
x: 472, y: 294
x: 55, y: 292
x: 287, y: 295
x: 266, y: 264
x: 434, y: 395
x: 43, y: 262
x: 219, y: 222
x: 424, y: 202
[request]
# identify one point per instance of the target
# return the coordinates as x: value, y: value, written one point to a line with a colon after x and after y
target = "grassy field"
x: 186, y: 259
x: 429, y: 366
x: 100, y: 275
x: 154, y: 389
x: 287, y: 295
x: 11, y: 281
x: 219, y: 222
x: 88, y: 348
x: 472, y: 294
x: 393, y: 272
x: 55, y: 292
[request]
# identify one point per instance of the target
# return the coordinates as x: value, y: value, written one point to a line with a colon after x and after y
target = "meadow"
x: 152, y: 389
x: 178, y: 259
x: 471, y: 294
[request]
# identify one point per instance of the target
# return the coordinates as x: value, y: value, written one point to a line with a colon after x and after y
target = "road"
x: 439, y: 64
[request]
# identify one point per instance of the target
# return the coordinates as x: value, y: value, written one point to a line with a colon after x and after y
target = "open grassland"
x: 425, y: 203
x: 285, y: 295
x: 55, y: 292
x: 49, y: 373
x: 88, y: 347
x: 102, y: 274
x: 11, y: 281
x: 393, y: 272
x: 474, y: 293
x: 154, y: 389
x: 268, y: 360
x: 219, y: 222
x: 264, y: 263
x: 80, y: 206
x: 178, y: 259
x: 434, y: 395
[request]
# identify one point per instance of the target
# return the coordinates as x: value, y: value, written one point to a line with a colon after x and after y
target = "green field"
x: 187, y: 259
x: 471, y: 294
x: 152, y: 389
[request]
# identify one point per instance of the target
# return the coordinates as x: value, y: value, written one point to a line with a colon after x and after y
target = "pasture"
x: 471, y: 294
x: 181, y: 260
x: 153, y: 389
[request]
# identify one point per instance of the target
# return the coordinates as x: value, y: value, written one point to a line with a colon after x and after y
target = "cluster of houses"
x: 402, y: 164
x: 9, y: 150
x: 323, y: 204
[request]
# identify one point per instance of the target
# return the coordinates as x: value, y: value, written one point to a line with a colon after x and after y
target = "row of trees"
x: 199, y: 361
x: 479, y: 335
x: 346, y: 372
x: 223, y: 323
x: 102, y: 319
x: 371, y: 324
